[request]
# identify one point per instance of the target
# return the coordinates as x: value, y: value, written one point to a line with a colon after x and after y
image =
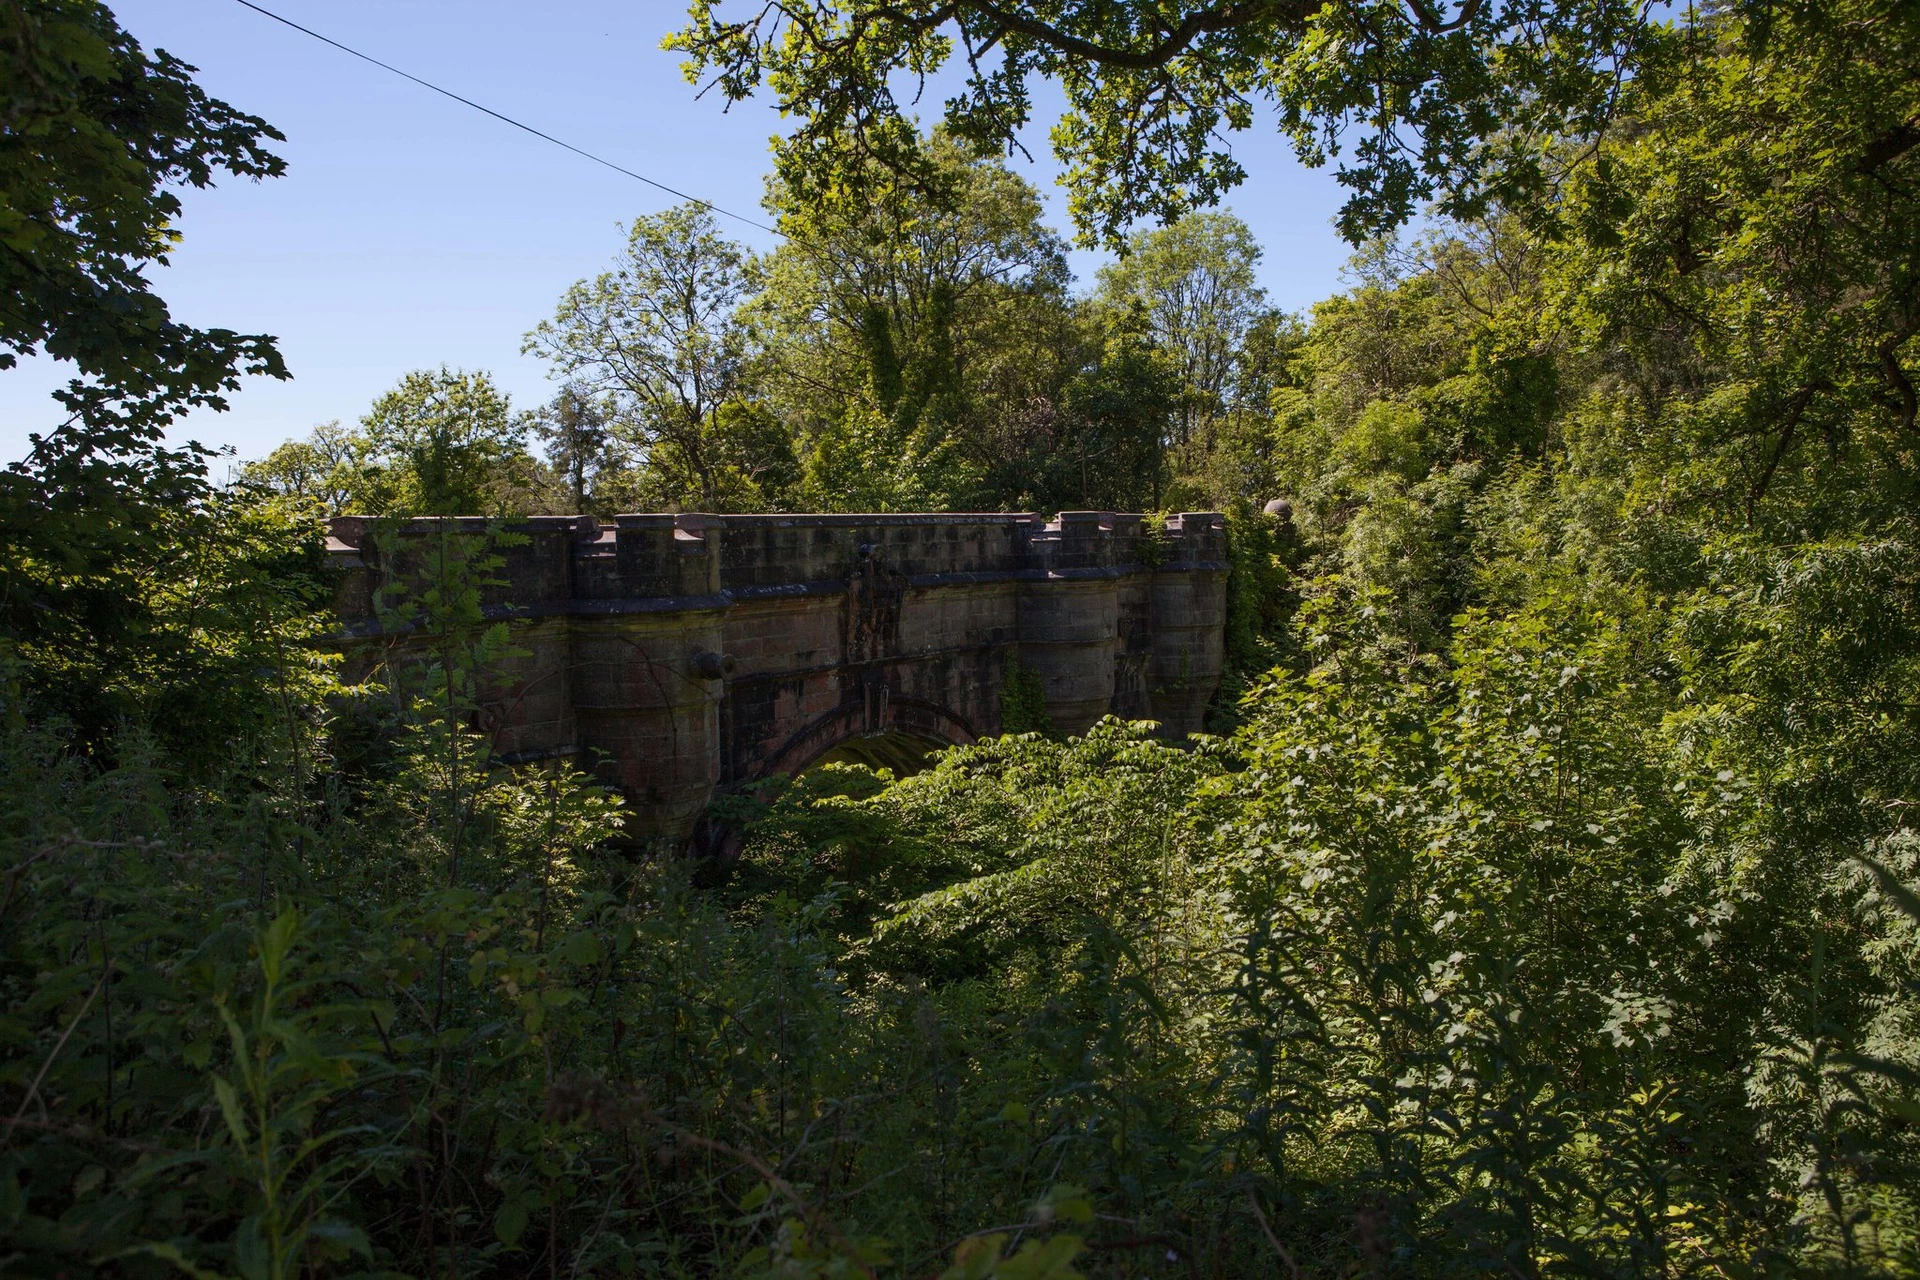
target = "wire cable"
x: 527, y: 128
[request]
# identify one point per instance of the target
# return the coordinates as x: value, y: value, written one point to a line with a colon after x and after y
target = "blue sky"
x: 411, y: 231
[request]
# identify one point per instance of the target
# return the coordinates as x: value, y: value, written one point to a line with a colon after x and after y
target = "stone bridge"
x: 684, y: 654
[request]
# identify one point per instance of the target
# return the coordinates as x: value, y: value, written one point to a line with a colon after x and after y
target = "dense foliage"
x: 1430, y: 102
x: 94, y: 133
x: 1544, y: 905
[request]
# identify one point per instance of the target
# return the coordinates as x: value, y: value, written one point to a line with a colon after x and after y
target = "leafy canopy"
x: 1195, y: 285
x: 444, y: 442
x: 93, y: 132
x: 660, y: 337
x: 1428, y: 99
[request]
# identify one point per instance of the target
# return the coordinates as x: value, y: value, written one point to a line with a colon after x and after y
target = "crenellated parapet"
x: 681, y: 653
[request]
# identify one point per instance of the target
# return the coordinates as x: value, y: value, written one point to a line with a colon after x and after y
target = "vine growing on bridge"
x: 1023, y: 700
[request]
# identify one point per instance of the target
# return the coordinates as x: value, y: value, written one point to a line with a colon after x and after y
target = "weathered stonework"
x: 690, y: 653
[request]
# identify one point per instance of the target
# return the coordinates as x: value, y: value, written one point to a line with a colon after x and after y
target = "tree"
x: 1442, y: 104
x: 900, y: 276
x: 659, y: 335
x: 1118, y: 410
x: 1086, y: 427
x: 575, y: 430
x: 93, y: 131
x: 324, y: 469
x: 96, y: 522
x: 1745, y: 252
x: 445, y: 443
x: 902, y: 327
x: 1195, y: 286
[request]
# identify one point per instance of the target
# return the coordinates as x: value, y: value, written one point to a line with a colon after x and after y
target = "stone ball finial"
x: 1279, y: 509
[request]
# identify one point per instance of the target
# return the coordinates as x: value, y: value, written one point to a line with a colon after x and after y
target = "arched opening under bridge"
x: 898, y: 734
x: 903, y: 753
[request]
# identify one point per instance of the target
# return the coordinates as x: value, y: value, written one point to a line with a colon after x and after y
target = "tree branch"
x: 1170, y: 46
x: 1796, y: 409
x: 1891, y: 145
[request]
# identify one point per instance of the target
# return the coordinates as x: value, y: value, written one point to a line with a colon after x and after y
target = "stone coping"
x: 346, y: 532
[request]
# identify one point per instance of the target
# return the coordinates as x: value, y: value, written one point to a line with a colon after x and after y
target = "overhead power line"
x: 525, y: 128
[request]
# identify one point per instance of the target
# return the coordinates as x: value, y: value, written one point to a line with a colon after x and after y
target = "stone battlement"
x: 577, y: 560
x: 692, y: 651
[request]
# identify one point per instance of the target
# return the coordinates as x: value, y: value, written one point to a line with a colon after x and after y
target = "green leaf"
x: 250, y: 1251
x: 1907, y: 1109
x: 1066, y: 1203
x: 230, y: 1108
x: 276, y: 940
x: 1903, y: 898
x: 581, y: 948
x: 343, y: 1238
x: 510, y: 1223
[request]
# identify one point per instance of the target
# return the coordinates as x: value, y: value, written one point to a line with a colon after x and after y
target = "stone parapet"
x: 686, y: 652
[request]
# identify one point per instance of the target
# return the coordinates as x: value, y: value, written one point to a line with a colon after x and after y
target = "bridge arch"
x: 902, y: 718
